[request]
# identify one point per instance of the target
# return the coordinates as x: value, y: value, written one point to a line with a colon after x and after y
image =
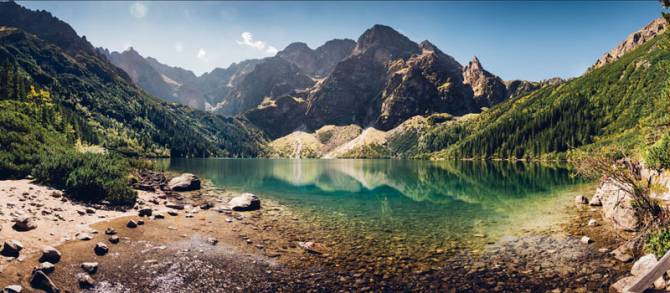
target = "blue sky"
x: 515, y: 40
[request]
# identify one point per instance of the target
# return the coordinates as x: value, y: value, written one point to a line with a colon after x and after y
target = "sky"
x: 531, y: 40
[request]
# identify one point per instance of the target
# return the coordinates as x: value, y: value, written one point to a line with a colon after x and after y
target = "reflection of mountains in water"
x: 473, y: 182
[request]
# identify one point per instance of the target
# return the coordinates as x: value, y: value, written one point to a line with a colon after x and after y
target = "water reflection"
x: 444, y: 197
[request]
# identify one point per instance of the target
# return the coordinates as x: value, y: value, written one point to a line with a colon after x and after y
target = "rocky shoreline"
x: 189, y: 240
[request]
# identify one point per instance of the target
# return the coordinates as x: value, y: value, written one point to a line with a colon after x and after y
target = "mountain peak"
x: 297, y: 46
x: 386, y: 38
x: 475, y: 64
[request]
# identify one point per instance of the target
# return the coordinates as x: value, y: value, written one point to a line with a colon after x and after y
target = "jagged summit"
x: 386, y: 39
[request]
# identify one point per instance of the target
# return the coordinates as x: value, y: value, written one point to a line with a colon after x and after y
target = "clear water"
x: 437, y: 204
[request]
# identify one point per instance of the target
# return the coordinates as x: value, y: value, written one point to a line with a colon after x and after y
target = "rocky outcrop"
x: 488, y: 89
x: 634, y: 40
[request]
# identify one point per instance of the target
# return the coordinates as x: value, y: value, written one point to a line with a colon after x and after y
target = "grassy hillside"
x: 53, y: 98
x: 625, y: 103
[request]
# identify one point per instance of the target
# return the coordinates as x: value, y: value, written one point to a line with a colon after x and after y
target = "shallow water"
x: 423, y: 203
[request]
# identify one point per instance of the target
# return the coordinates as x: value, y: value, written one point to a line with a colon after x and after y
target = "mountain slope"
x: 620, y: 103
x: 82, y: 97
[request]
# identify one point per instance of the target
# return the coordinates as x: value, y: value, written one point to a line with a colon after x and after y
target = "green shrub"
x: 88, y: 177
x: 658, y: 242
x: 658, y: 155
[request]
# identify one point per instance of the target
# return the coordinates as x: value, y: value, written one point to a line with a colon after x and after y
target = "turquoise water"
x: 439, y: 202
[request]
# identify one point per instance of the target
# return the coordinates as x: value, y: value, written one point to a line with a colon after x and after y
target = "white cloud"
x: 138, y: 10
x: 179, y: 47
x: 271, y: 50
x: 248, y: 40
x: 202, y: 54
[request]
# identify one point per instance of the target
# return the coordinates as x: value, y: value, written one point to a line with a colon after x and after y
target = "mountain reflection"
x: 472, y: 182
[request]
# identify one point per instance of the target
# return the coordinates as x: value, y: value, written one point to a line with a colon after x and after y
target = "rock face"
x: 634, y: 40
x: 487, y: 88
x: 184, y: 182
x: 319, y: 62
x: 617, y: 206
x: 245, y: 202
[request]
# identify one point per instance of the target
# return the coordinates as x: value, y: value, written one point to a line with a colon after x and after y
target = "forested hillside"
x: 54, y: 97
x: 625, y: 103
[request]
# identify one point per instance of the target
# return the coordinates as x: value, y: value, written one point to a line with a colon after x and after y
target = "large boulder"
x: 245, y: 202
x: 617, y: 206
x: 50, y: 254
x: 39, y: 280
x: 11, y: 248
x: 643, y: 265
x: 184, y: 182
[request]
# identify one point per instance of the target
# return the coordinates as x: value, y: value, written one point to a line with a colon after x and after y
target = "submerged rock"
x: 245, y: 202
x: 184, y: 182
x: 312, y: 247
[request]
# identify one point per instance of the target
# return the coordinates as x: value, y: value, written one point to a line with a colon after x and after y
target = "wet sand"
x: 259, y: 251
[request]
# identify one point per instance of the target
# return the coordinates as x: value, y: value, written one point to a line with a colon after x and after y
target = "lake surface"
x: 429, y: 204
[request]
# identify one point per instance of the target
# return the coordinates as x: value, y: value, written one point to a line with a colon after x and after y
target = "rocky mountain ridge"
x: 634, y: 40
x: 380, y: 80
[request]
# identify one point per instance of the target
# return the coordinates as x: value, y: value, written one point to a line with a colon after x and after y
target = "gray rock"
x: 173, y: 213
x: 110, y: 231
x: 11, y: 248
x: 101, y: 248
x: 145, y: 212
x: 184, y: 182
x: 175, y: 206
x: 140, y: 222
x: 84, y: 237
x: 585, y: 240
x: 245, y: 202
x: 39, y: 280
x: 46, y: 267
x: 623, y: 253
x: 131, y: 224
x: 56, y: 194
x: 85, y: 281
x: 593, y: 223
x: 23, y: 224
x: 50, y: 254
x: 114, y: 239
x: 158, y: 215
x: 643, y: 265
x: 12, y: 289
x: 90, y: 267
x: 212, y: 241
x: 622, y: 283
